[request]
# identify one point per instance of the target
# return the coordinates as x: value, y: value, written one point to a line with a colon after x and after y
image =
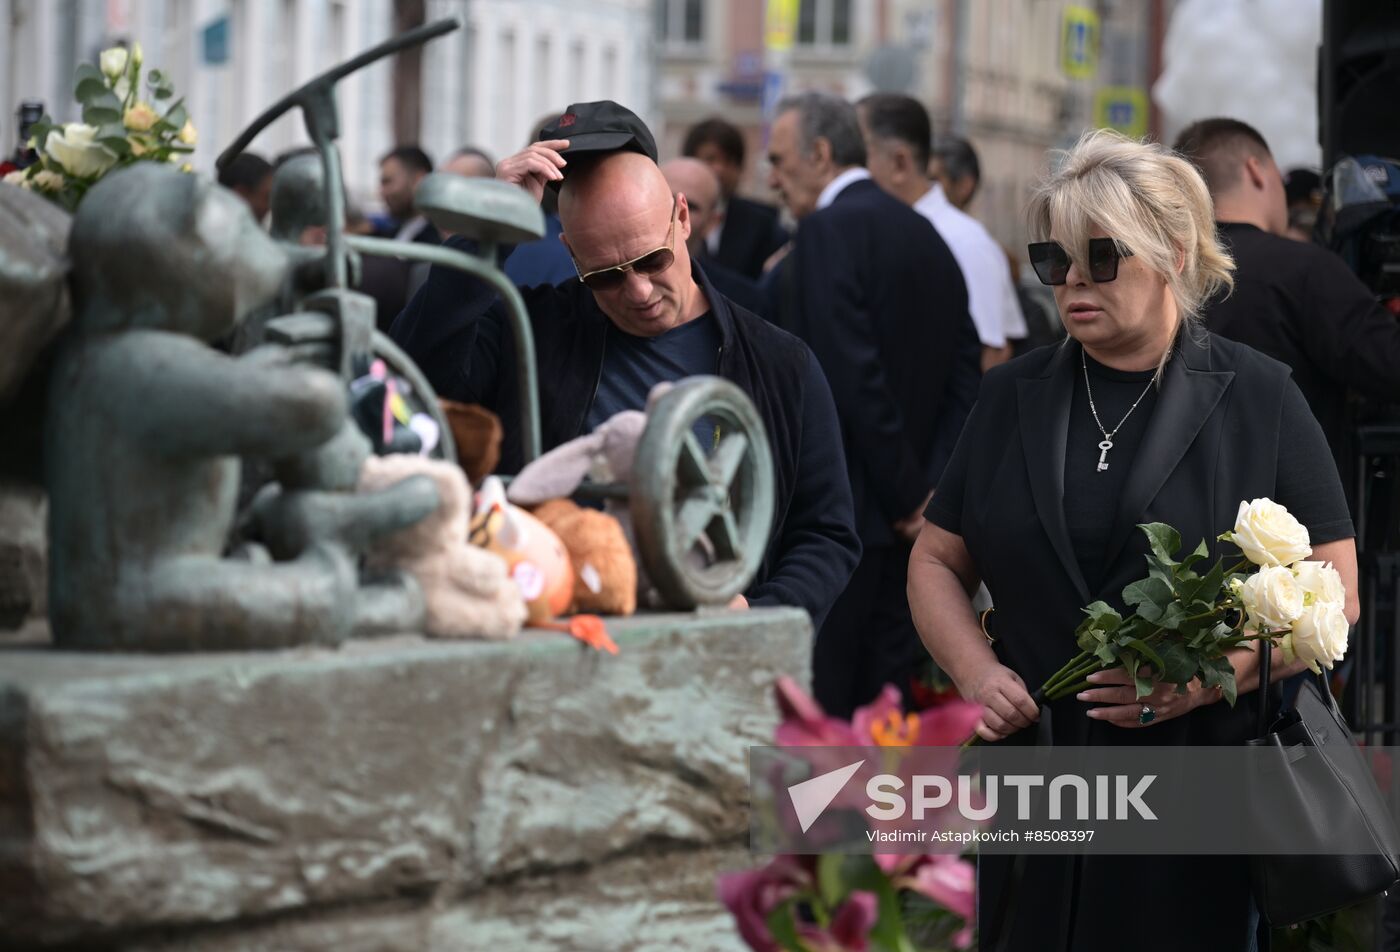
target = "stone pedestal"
x: 394, y: 794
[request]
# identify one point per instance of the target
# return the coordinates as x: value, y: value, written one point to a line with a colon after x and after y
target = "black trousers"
x: 868, y: 639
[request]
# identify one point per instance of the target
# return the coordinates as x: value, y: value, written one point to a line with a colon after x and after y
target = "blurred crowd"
x: 872, y: 256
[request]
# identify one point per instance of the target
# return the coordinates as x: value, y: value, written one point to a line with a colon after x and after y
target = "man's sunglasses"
x: 653, y: 262
x: 1051, y: 261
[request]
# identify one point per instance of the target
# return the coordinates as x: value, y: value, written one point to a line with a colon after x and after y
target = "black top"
x: 632, y: 365
x: 875, y: 291
x: 1091, y: 495
x: 1300, y: 303
x: 456, y: 330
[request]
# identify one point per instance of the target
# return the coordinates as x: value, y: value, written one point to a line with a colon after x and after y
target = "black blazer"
x: 873, y: 289
x: 1214, y: 439
x: 750, y: 235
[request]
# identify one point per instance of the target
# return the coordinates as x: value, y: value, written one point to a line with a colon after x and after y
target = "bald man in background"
x: 640, y: 313
x: 700, y: 186
x: 470, y: 162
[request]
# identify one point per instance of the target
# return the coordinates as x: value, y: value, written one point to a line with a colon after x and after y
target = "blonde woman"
x: 1140, y: 416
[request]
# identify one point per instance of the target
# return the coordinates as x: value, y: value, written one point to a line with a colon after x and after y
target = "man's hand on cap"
x: 535, y: 166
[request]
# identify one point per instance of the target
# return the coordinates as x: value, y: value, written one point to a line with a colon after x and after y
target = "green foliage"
x: 1180, y: 628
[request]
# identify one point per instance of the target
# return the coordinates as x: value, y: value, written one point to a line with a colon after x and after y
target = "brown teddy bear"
x: 466, y: 589
x: 605, y: 571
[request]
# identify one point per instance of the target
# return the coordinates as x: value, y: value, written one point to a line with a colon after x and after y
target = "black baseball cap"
x: 598, y: 127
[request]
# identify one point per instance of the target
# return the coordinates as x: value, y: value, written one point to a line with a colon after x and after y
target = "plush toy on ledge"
x: 467, y: 590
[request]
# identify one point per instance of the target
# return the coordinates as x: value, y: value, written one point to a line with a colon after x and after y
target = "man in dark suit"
x: 878, y: 296
x: 1293, y: 300
x: 746, y: 233
x: 694, y: 179
x: 391, y: 284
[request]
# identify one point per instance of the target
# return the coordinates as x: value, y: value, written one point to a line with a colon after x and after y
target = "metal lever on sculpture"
x: 515, y: 307
x: 317, y: 101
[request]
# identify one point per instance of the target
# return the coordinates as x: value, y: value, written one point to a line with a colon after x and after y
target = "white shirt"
x: 991, y: 297
x: 411, y: 229
x: 837, y: 185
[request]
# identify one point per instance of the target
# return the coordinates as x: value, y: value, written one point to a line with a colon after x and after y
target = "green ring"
x: 1147, y: 715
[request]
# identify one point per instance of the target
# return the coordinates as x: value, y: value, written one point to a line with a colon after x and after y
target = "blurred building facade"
x: 483, y: 85
x: 992, y: 70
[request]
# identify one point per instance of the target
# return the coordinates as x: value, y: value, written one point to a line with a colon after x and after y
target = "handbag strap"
x: 1266, y: 657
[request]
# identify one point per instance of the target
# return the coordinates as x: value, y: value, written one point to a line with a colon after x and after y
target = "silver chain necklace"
x: 1108, y: 436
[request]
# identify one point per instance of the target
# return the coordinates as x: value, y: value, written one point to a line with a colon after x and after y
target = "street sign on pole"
x: 1123, y: 108
x: 1079, y: 43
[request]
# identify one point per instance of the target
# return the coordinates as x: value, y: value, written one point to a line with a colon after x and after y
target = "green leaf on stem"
x: 831, y: 883
x: 101, y: 115
x: 1149, y: 597
x: 94, y: 92
x: 1165, y: 540
x: 1218, y: 672
x: 782, y: 926
x: 1201, y: 551
x: 86, y: 71
x: 1178, y: 664
x: 1147, y: 652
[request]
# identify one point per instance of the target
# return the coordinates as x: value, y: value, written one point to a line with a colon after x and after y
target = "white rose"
x: 188, y: 134
x: 1319, y: 635
x: 74, y: 149
x: 1320, y: 582
x: 1272, y: 598
x: 113, y: 62
x: 16, y: 178
x: 1268, y: 535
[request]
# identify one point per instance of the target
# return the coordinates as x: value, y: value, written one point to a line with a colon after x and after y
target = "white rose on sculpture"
x: 1319, y: 635
x: 75, y: 150
x: 113, y: 62
x: 1268, y: 534
x: 1320, y: 582
x: 1272, y: 598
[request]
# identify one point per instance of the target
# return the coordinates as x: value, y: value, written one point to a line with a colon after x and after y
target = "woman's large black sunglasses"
x: 1051, y: 261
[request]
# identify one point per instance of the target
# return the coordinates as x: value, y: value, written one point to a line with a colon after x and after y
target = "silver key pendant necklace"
x: 1108, y: 435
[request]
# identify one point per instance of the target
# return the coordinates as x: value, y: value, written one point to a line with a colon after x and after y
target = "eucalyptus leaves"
x: 120, y: 126
x: 1186, y: 620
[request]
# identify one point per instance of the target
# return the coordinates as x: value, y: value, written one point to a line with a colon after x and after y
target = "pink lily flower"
x: 751, y: 895
x: 850, y: 926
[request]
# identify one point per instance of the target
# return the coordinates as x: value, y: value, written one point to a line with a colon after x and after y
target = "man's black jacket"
x: 1300, y: 304
x: 750, y: 235
x: 874, y: 290
x: 456, y: 330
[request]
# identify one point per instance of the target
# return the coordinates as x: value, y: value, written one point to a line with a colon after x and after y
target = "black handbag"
x: 1341, y: 803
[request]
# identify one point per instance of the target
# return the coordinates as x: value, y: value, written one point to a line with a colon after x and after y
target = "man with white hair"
x: 641, y: 312
x: 874, y: 290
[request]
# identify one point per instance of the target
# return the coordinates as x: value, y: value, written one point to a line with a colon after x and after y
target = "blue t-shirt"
x: 633, y: 365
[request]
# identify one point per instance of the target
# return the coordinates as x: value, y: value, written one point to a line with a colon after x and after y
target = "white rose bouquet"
x: 1184, y: 622
x: 119, y: 127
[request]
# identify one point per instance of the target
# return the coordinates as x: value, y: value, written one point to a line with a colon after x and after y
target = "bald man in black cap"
x: 640, y: 312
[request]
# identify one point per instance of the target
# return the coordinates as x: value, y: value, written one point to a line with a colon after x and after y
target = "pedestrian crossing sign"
x: 1079, y: 43
x: 1123, y: 108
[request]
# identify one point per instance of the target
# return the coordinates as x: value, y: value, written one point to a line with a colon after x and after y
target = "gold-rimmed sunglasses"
x: 653, y: 262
